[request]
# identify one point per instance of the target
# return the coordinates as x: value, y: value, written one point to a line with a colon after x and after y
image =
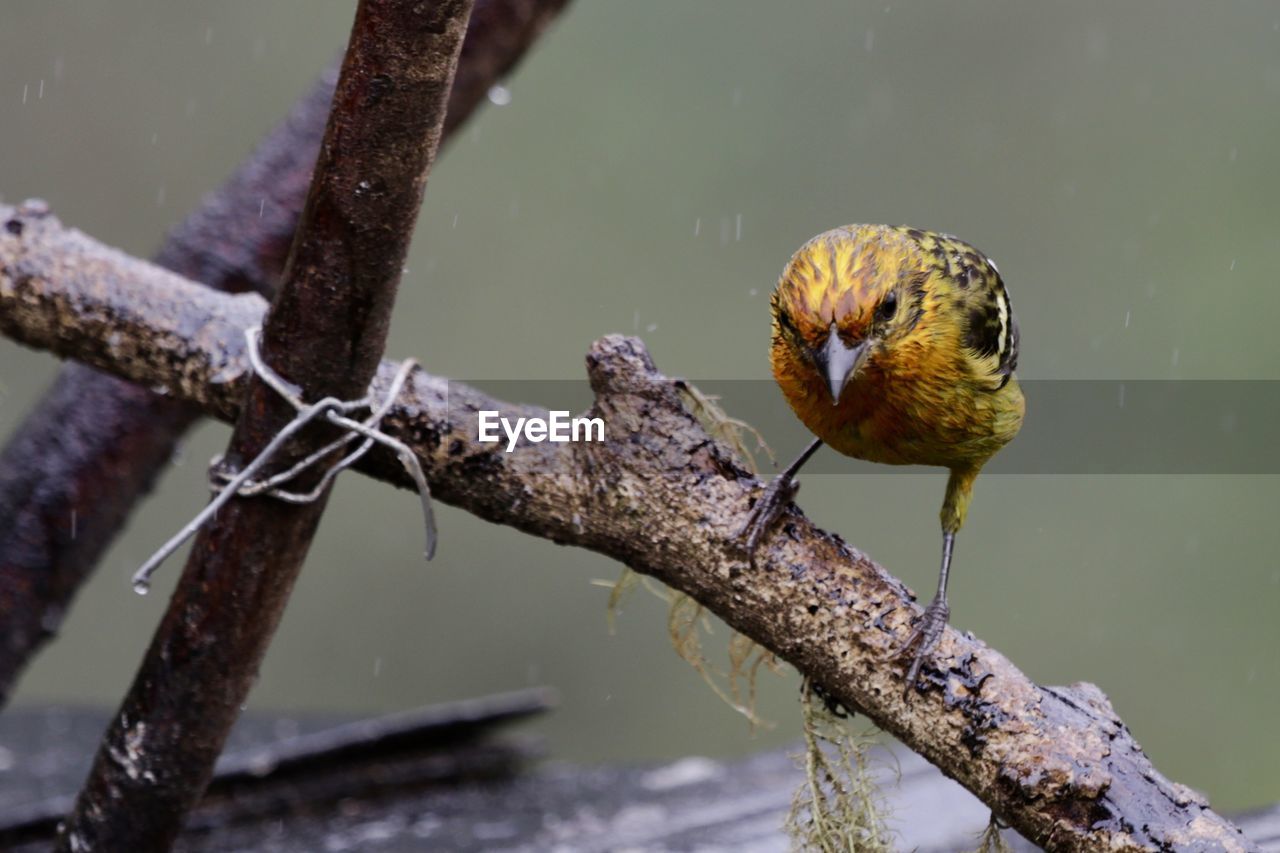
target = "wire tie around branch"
x: 335, y: 411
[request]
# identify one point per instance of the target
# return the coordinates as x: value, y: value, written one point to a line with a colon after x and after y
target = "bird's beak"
x: 841, y: 362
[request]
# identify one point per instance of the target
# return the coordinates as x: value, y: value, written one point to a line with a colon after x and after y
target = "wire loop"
x: 228, y: 484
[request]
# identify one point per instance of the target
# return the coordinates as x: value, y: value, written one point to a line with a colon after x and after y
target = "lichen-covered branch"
x: 663, y: 497
x: 94, y: 434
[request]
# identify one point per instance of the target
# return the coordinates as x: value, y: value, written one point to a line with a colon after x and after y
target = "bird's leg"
x: 924, y: 637
x: 777, y: 494
x: 928, y: 631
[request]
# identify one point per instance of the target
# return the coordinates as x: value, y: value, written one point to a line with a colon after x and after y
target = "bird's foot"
x: 924, y: 638
x: 769, y: 505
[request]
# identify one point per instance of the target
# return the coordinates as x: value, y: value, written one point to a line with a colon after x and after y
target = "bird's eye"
x: 888, y: 306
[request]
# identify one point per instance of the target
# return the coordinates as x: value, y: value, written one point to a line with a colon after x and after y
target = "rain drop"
x: 499, y: 95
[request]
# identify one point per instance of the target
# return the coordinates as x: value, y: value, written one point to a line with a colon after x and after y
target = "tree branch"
x: 94, y: 434
x: 325, y: 332
x: 663, y: 497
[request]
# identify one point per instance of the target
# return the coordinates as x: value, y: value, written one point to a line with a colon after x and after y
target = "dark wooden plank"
x: 693, y: 803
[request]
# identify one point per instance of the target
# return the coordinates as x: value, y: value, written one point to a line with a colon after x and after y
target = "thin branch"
x: 1055, y: 763
x: 325, y: 334
x: 76, y: 466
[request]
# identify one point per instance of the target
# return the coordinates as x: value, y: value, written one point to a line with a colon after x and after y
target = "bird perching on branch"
x: 896, y: 345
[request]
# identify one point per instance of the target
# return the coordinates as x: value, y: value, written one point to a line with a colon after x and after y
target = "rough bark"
x: 325, y: 333
x: 94, y: 434
x: 666, y: 499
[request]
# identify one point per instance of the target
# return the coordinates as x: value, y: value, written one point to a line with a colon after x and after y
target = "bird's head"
x: 850, y: 296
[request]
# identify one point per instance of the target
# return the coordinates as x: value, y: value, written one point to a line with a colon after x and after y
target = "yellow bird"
x: 896, y: 345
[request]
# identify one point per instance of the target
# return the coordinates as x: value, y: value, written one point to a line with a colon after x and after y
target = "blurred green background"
x: 653, y: 170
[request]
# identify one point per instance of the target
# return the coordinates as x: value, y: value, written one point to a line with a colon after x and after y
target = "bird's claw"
x: 924, y: 638
x: 780, y: 491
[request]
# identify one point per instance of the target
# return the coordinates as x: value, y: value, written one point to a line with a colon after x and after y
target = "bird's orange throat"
x: 901, y: 415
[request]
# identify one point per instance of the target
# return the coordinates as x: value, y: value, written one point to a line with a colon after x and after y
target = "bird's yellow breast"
x: 904, y: 420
